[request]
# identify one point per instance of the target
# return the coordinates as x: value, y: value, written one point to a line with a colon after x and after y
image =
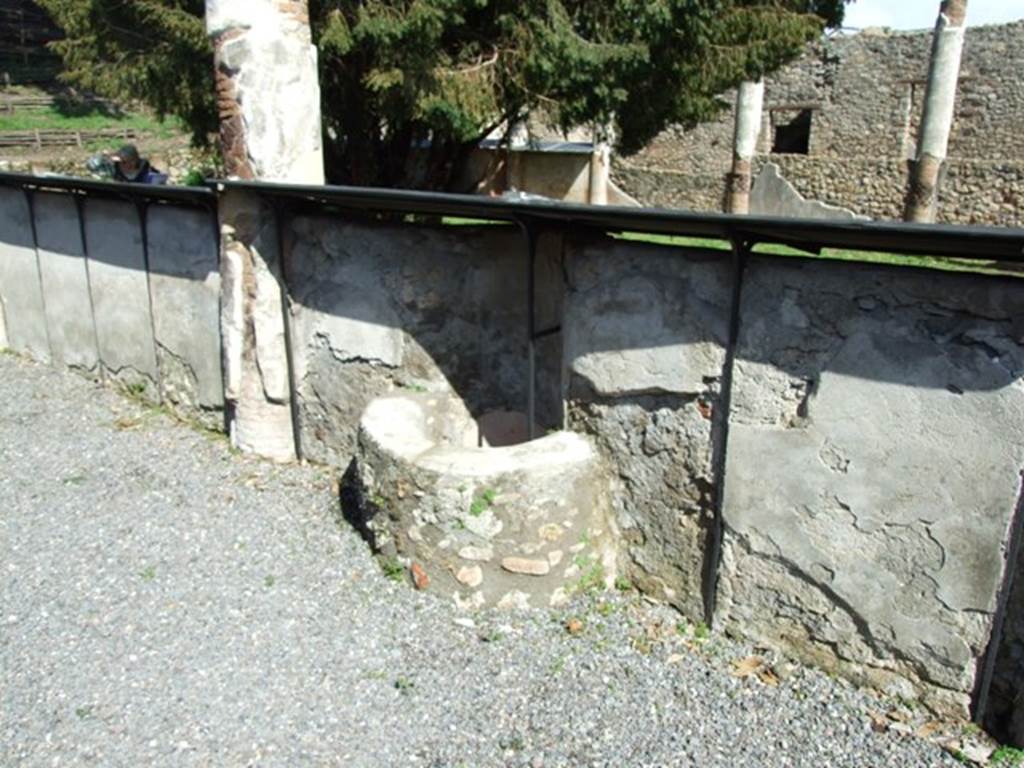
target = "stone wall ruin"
x: 849, y: 435
x: 841, y: 122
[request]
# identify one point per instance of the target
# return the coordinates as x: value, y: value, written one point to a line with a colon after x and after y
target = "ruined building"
x: 841, y: 122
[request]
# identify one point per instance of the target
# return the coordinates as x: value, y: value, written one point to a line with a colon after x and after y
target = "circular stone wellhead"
x: 517, y: 526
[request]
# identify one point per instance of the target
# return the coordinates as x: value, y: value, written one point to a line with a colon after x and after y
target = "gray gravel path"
x: 164, y: 602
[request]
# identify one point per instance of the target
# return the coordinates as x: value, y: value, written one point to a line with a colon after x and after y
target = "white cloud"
x: 920, y: 14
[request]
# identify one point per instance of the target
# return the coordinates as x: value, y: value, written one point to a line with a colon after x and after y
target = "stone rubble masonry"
x: 268, y: 92
x: 866, y: 96
x: 488, y: 526
x: 875, y: 443
x: 645, y: 334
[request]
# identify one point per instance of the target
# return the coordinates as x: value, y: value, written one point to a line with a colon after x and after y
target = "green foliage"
x: 592, y: 575
x: 393, y: 569
x: 480, y: 505
x: 154, y: 51
x: 1007, y: 756
x: 400, y: 75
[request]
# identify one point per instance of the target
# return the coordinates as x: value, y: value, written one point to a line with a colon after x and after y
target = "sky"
x: 920, y: 14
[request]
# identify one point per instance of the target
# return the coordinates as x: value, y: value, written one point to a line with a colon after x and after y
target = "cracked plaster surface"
x: 874, y: 448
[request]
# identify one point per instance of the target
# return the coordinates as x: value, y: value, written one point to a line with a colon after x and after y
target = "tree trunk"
x: 937, y: 117
x: 749, y: 105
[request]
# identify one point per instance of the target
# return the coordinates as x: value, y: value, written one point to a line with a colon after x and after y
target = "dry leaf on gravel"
x: 746, y: 667
x: 929, y: 729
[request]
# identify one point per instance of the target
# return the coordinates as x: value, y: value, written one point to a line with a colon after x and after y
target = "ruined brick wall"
x: 864, y: 94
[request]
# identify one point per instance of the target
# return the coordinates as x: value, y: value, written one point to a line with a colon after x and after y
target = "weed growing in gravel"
x: 591, y: 574
x: 1007, y: 756
x: 148, y: 573
x: 623, y: 584
x: 74, y: 480
x: 83, y: 712
x: 392, y: 568
x: 403, y: 684
x: 268, y: 581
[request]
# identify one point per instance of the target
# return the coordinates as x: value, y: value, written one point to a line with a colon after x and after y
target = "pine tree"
x: 152, y: 51
x: 399, y: 76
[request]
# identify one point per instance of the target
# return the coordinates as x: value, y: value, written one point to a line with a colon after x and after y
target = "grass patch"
x: 460, y: 221
x: 393, y: 569
x: 1007, y: 756
x: 59, y: 118
x: 947, y: 263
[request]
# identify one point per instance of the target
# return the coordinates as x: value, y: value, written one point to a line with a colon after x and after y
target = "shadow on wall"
x: 131, y: 293
x: 376, y: 306
x: 871, y: 435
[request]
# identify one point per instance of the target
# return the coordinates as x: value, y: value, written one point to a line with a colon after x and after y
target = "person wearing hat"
x: 126, y: 165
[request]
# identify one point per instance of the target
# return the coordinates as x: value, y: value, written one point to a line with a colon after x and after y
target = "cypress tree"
x: 430, y: 78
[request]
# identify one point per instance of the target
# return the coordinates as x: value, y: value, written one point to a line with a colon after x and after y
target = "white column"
x: 268, y: 98
x: 600, y: 166
x: 937, y: 118
x: 267, y: 88
x: 749, y: 108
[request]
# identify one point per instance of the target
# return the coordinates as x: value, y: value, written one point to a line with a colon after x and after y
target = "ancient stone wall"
x: 374, y: 307
x: 848, y: 437
x: 863, y: 95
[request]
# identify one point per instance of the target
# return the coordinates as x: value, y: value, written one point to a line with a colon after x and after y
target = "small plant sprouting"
x: 84, y: 712
x: 701, y: 631
x: 403, y: 684
x: 393, y: 569
x: 591, y: 574
x: 135, y: 388
x: 378, y: 501
x: 623, y: 584
x: 268, y: 581
x: 483, y: 502
x: 148, y: 573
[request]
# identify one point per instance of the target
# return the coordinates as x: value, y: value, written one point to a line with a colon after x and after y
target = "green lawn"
x: 930, y: 262
x: 839, y: 254
x: 83, y: 119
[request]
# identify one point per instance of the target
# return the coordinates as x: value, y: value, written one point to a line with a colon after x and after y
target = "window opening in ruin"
x: 792, y: 137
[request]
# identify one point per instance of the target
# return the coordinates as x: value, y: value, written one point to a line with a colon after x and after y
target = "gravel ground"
x: 166, y: 602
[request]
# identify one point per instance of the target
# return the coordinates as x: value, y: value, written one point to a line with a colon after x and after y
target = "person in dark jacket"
x: 126, y: 165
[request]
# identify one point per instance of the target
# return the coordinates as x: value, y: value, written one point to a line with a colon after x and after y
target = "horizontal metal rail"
x: 963, y: 242
x: 137, y: 192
